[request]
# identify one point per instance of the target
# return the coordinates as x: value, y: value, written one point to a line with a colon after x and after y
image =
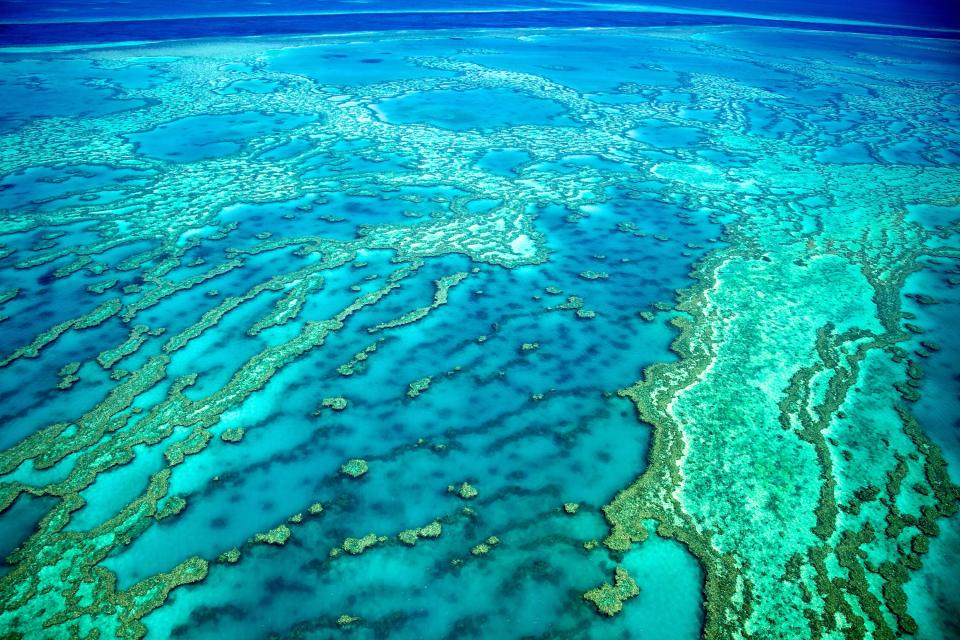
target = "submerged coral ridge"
x: 225, y: 249
x: 755, y: 441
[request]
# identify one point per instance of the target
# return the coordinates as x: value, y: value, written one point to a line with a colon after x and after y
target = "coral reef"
x: 465, y: 490
x: 609, y: 598
x: 355, y: 467
x: 786, y: 451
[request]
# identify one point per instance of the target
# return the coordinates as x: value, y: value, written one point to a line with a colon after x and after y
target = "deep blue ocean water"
x: 24, y: 22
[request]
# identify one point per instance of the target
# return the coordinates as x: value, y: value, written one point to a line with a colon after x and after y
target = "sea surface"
x: 603, y: 325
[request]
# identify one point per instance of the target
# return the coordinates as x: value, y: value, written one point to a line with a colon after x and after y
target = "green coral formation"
x: 594, y: 275
x: 409, y: 537
x: 609, y: 598
x: 278, y: 535
x: 345, y: 620
x: 355, y: 467
x: 92, y: 318
x: 443, y: 285
x: 804, y: 387
x: 68, y: 375
x: 192, y: 444
x: 33, y: 593
x: 172, y: 506
x: 231, y: 556
x: 338, y: 403
x: 484, y: 547
x: 432, y: 530
x: 359, y: 359
x: 233, y: 434
x: 356, y: 546
x: 418, y: 386
x: 465, y: 490
x: 138, y: 335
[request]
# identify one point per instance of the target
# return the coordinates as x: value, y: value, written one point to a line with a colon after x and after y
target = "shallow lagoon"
x: 476, y: 240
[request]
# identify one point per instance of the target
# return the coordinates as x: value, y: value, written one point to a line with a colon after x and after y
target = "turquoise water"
x: 204, y: 137
x: 456, y: 256
x: 471, y: 109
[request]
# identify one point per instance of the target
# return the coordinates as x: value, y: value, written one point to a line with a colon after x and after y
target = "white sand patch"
x: 522, y: 245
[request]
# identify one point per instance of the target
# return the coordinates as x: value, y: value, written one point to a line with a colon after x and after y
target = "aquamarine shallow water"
x: 574, y: 178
